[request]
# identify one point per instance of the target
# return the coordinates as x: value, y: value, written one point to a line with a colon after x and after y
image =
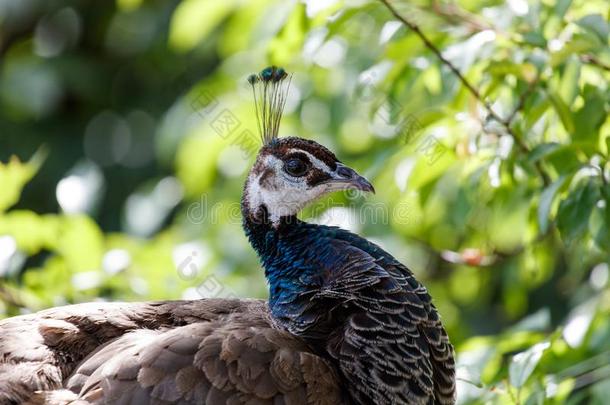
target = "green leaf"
x: 538, y: 321
x: 524, y: 364
x: 546, y: 202
x: 525, y: 71
x: 533, y: 113
x: 564, y: 158
x: 575, y: 210
x: 599, y: 225
x: 542, y: 150
x: 535, y: 38
x: 433, y: 158
x: 129, y: 5
x: 561, y: 6
x: 563, y: 111
x: 289, y: 30
x: 14, y: 175
x: 577, y: 45
x: 595, y: 24
x: 31, y: 231
x: 81, y: 243
x: 193, y: 20
x: 591, y: 116
x: 568, y: 87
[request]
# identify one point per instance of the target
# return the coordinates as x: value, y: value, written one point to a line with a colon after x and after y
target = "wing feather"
x: 393, y: 344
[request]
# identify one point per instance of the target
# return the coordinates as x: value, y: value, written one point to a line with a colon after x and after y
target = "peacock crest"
x: 270, y: 88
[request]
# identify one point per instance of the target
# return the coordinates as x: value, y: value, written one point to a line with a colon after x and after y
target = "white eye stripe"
x: 314, y: 160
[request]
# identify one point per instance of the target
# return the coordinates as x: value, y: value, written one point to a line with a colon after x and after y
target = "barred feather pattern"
x: 354, y: 302
x: 393, y: 347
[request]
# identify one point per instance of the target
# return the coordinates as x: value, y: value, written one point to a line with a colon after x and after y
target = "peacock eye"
x: 295, y: 167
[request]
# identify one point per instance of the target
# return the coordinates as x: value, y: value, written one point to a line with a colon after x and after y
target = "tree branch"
x: 594, y: 60
x: 522, y: 99
x: 455, y: 15
x: 506, y: 123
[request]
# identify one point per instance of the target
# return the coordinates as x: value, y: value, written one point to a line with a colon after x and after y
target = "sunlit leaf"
x: 193, y: 20
x: 538, y: 321
x: 578, y: 322
x: 433, y: 158
x: 563, y: 111
x: 81, y: 243
x: 537, y: 110
x: 568, y: 88
x: 523, y: 364
x: 597, y: 25
x: 561, y: 6
x: 292, y: 24
x: 541, y: 150
x: 546, y: 201
x: 31, y: 231
x: 599, y: 224
x: 129, y: 5
x: 576, y: 45
x: 13, y: 177
x: 591, y: 116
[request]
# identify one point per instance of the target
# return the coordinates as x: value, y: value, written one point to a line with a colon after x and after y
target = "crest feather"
x: 269, y: 88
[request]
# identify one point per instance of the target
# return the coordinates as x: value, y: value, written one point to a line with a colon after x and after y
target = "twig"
x: 506, y: 123
x: 594, y: 60
x: 415, y: 28
x: 516, y: 399
x: 454, y: 14
x: 522, y: 99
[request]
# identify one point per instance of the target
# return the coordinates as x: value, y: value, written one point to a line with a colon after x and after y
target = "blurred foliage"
x: 126, y: 131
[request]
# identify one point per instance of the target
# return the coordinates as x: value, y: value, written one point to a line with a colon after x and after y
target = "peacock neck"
x: 281, y: 247
x: 287, y: 251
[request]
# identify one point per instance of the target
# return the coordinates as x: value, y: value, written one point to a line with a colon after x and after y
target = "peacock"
x: 345, y: 322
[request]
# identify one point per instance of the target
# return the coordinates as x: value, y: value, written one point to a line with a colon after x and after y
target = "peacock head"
x: 289, y: 173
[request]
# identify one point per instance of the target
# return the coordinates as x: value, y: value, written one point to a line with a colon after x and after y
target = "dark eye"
x: 295, y: 167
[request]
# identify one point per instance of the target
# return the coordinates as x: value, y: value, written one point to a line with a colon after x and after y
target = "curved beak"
x: 347, y: 178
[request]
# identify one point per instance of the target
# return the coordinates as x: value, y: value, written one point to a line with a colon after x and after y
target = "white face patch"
x: 282, y: 194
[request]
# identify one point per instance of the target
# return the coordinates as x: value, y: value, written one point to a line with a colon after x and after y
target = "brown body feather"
x: 178, y: 352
